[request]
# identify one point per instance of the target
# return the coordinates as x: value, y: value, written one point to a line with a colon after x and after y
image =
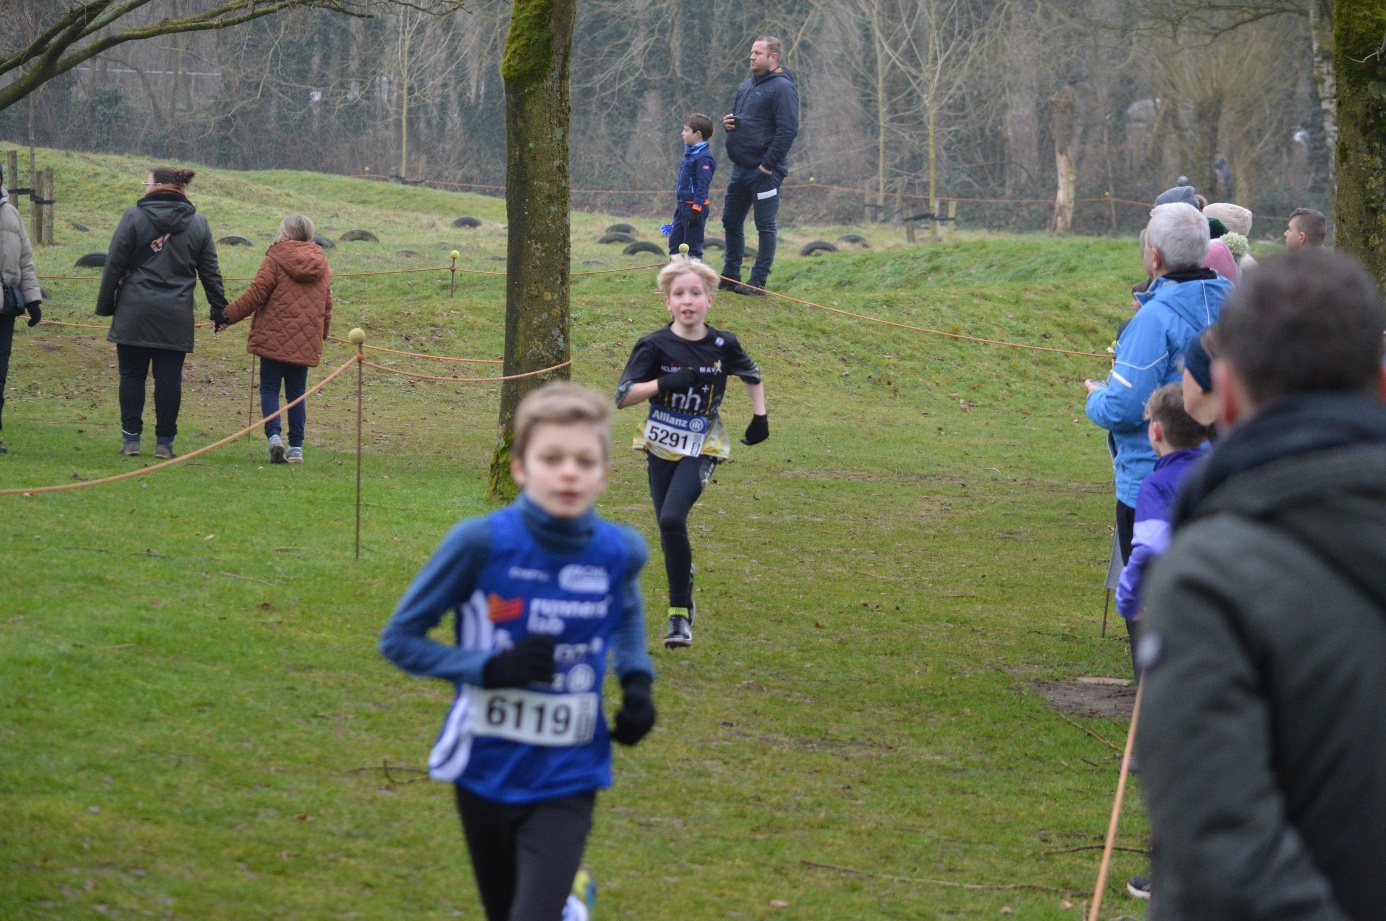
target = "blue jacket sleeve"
x: 628, y: 652
x: 445, y: 582
x: 1143, y: 361
x: 786, y: 127
x: 702, y: 180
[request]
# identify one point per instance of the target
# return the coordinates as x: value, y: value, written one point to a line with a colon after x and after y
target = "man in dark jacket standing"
x: 1263, y: 731
x: 760, y: 129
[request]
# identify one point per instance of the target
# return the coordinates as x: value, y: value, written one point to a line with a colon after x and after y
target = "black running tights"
x: 525, y: 857
x: 674, y: 487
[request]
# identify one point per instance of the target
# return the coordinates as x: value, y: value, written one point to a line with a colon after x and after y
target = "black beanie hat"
x: 1216, y: 228
x: 1197, y: 363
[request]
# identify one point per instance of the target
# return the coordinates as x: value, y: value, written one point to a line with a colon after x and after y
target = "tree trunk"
x: 1065, y: 119
x: 1325, y: 83
x: 1360, y: 46
x: 535, y: 70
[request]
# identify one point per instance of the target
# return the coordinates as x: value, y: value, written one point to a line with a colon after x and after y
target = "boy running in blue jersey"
x: 542, y: 591
x: 682, y: 370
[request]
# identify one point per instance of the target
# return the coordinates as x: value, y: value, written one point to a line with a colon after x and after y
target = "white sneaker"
x: 295, y: 456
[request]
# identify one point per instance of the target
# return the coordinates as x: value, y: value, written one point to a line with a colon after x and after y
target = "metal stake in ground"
x: 452, y: 285
x: 358, y: 337
x: 1116, y: 808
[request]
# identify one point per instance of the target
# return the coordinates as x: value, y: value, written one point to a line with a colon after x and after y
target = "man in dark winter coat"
x: 760, y: 129
x: 1263, y: 728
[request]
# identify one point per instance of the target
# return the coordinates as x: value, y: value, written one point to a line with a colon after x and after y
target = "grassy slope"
x: 195, y: 716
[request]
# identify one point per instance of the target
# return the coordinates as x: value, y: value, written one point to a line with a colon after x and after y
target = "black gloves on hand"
x: 757, y: 431
x: 694, y: 219
x: 681, y: 379
x: 637, y: 715
x: 529, y: 661
x: 219, y: 319
x: 35, y: 309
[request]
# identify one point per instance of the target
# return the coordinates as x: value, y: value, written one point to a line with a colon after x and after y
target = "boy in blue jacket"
x: 695, y: 180
x: 1176, y: 439
x: 542, y: 592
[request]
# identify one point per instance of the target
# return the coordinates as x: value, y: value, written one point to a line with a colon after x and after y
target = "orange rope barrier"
x: 252, y: 277
x: 925, y: 329
x: 381, y: 348
x: 465, y: 380
x: 34, y: 490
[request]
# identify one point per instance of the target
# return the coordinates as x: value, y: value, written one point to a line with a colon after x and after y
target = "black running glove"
x: 219, y: 319
x: 694, y: 219
x: 757, y: 431
x: 637, y: 715
x: 529, y: 661
x: 682, y: 379
x: 35, y: 309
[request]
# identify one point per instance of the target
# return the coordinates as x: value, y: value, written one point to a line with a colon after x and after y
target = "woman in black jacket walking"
x: 158, y: 252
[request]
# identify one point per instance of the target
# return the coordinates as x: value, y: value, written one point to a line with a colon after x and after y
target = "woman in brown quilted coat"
x: 291, y: 302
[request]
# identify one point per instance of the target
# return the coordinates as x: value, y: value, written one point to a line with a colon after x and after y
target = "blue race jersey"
x: 525, y: 745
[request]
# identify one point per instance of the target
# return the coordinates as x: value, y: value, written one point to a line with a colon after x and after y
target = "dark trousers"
x: 674, y: 487
x: 1126, y: 529
x: 135, y: 363
x: 682, y: 233
x: 751, y: 188
x: 6, y: 345
x: 295, y: 381
x: 525, y: 857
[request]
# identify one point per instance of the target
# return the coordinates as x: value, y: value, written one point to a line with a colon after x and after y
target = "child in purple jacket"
x: 1176, y: 438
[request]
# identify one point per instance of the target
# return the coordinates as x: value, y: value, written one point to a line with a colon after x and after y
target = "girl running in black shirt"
x: 682, y: 371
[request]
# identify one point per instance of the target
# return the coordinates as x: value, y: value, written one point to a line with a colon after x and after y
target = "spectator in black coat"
x: 760, y: 129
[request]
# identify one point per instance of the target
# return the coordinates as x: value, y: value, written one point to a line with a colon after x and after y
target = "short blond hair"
x: 562, y: 403
x: 297, y: 227
x: 683, y: 265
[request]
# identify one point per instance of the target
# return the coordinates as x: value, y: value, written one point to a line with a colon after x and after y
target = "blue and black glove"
x: 529, y: 661
x: 757, y: 431
x: 35, y: 311
x: 637, y: 715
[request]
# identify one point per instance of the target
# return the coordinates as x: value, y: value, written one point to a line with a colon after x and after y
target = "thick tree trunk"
x: 1065, y: 121
x: 535, y: 69
x: 1360, y: 52
x: 1325, y: 83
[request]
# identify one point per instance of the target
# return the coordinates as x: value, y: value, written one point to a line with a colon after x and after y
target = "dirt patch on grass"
x: 1102, y: 700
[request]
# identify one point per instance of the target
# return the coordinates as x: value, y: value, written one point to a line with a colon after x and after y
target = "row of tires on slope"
x: 625, y: 233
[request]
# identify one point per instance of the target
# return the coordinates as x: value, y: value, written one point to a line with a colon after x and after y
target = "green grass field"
x: 196, y: 723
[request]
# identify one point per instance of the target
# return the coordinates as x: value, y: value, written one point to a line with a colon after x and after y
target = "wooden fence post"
x: 11, y: 166
x: 35, y: 209
x: 952, y: 218
x: 48, y: 208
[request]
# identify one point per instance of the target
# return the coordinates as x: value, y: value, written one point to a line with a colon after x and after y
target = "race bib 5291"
x: 681, y: 433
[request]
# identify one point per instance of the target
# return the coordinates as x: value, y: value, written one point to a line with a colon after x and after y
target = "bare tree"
x: 81, y: 30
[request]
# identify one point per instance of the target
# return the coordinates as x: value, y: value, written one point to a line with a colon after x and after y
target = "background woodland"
x: 900, y: 99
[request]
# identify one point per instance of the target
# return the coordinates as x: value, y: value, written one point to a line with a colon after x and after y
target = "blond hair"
x: 683, y: 265
x: 562, y: 403
x: 297, y: 227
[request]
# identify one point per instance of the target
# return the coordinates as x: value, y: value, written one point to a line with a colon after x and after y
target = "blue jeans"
x: 750, y: 188
x: 295, y: 380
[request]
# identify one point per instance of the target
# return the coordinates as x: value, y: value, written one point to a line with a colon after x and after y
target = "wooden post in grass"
x: 1106, y: 865
x: 952, y: 224
x: 250, y: 408
x: 35, y: 209
x: 452, y: 285
x: 12, y: 166
x: 909, y: 232
x: 48, y: 207
x: 358, y: 336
